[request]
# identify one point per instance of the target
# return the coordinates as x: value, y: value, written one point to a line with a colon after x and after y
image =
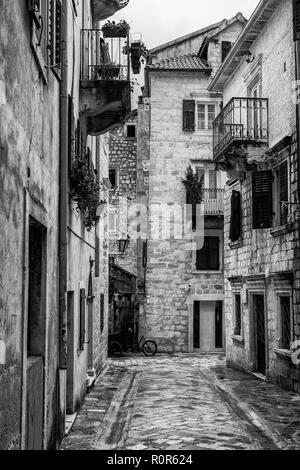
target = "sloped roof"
x: 213, y: 28
x: 184, y: 62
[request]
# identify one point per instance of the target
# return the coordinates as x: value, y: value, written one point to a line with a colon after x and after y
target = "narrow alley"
x: 184, y: 402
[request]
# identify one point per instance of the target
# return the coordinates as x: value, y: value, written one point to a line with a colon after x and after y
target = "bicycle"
x: 149, y: 348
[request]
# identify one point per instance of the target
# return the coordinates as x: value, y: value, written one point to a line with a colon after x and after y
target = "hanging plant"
x: 111, y: 29
x: 194, y: 187
x: 85, y: 190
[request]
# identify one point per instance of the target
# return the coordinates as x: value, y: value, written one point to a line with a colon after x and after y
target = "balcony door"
x: 254, y: 111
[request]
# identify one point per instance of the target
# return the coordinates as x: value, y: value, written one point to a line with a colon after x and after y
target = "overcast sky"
x: 160, y: 21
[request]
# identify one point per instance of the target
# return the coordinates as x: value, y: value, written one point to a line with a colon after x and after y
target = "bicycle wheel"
x: 149, y: 348
x: 115, y: 349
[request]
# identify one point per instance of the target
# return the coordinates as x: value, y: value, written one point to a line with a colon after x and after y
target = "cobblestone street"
x: 184, y: 402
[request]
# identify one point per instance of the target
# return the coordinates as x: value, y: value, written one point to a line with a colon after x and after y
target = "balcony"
x: 105, y: 81
x: 103, y: 9
x: 241, y: 130
x: 213, y: 200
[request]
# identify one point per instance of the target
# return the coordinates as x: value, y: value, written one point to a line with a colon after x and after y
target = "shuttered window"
x: 235, y: 217
x: 145, y: 254
x: 55, y: 35
x: 208, y: 258
x: 262, y: 199
x: 296, y: 20
x: 82, y: 320
x: 189, y: 115
x: 102, y: 310
x: 238, y: 315
x: 35, y: 11
x: 285, y: 312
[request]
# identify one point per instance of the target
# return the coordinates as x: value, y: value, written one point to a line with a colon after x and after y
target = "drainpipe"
x: 63, y: 197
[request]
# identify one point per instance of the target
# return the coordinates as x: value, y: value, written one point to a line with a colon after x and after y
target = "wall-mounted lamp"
x: 250, y: 57
x: 123, y: 244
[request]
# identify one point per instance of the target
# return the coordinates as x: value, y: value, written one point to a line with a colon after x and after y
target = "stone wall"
x: 261, y: 253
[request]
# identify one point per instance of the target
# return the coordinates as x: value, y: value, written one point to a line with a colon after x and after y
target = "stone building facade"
x: 257, y: 146
x: 185, y: 291
x: 54, y: 282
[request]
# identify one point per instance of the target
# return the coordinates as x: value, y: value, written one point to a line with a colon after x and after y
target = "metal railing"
x: 213, y: 200
x: 241, y: 120
x: 104, y: 59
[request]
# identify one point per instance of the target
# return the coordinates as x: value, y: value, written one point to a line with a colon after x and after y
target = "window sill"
x: 236, y: 244
x: 283, y: 353
x: 281, y: 230
x: 238, y: 340
x: 207, y: 272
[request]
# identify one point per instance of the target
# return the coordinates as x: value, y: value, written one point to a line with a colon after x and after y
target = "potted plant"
x: 111, y: 29
x: 137, y: 50
x: 85, y: 190
x: 194, y: 190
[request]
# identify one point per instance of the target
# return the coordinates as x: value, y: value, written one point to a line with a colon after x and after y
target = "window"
x: 189, y: 115
x: 262, y: 199
x: 281, y: 197
x: 131, y: 131
x: 208, y: 258
x: 112, y: 221
x: 102, y: 309
x: 237, y: 315
x: 114, y: 178
x: 226, y: 46
x: 235, y: 217
x: 206, y: 116
x: 82, y: 320
x: 213, y: 184
x: 145, y: 253
x: 285, y: 320
x: 39, y: 11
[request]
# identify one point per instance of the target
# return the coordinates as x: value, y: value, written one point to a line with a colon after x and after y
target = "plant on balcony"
x: 137, y: 50
x: 85, y: 190
x: 194, y: 187
x: 111, y: 29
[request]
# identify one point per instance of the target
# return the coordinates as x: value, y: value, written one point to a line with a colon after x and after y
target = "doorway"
x: 208, y: 326
x: 36, y: 336
x: 259, y: 335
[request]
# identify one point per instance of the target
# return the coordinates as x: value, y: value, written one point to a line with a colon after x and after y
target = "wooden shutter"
x: 262, y: 199
x: 296, y: 4
x: 82, y: 320
x: 236, y: 216
x: 34, y: 7
x: 55, y: 35
x: 189, y: 115
x: 283, y: 192
x: 145, y: 254
x: 102, y: 308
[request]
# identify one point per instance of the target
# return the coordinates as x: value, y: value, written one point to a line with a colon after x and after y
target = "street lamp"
x: 123, y: 244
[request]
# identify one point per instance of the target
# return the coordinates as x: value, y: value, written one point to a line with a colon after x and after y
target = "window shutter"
x: 208, y: 258
x: 82, y: 320
x: 262, y: 199
x: 236, y: 216
x: 145, y: 254
x: 296, y: 20
x: 189, y: 115
x: 102, y: 307
x: 55, y: 34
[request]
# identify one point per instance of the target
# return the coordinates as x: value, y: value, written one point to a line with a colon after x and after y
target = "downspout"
x: 63, y: 197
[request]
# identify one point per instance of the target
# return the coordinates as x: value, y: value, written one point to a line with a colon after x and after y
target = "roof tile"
x: 184, y: 62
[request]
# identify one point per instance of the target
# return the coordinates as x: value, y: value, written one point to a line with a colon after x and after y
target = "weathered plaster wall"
x: 29, y: 117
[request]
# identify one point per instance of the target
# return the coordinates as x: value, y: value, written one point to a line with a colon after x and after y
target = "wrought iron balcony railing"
x: 213, y: 200
x: 243, y: 120
x: 105, y: 60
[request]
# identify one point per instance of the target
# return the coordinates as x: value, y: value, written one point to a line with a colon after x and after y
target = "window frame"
x: 82, y: 320
x: 210, y: 234
x: 126, y: 131
x: 276, y: 193
x: 114, y: 212
x: 239, y: 334
x: 117, y: 177
x: 280, y: 320
x: 206, y: 104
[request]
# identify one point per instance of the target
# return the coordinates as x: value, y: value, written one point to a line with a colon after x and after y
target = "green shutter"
x: 262, y: 199
x: 236, y: 216
x: 189, y: 115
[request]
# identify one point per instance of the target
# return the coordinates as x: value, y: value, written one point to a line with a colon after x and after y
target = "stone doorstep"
x: 260, y: 376
x: 69, y: 423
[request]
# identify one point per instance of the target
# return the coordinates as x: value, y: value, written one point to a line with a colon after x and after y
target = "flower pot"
x: 114, y: 32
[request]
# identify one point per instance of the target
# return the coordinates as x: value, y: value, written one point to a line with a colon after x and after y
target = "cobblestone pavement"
x: 184, y: 402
